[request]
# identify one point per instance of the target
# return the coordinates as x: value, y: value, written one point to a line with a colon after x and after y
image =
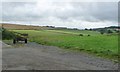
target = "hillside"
x: 22, y: 27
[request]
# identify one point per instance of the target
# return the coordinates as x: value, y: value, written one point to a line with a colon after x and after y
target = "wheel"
x: 14, y: 41
x: 25, y: 40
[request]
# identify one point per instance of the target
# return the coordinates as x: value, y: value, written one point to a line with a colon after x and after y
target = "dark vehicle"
x: 20, y: 37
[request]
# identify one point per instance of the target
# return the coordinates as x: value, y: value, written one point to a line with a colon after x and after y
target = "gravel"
x: 33, y: 56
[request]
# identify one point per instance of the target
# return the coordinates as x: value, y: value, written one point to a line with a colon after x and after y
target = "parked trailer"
x: 20, y: 37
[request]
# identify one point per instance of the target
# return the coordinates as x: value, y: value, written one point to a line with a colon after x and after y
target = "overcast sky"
x: 66, y: 14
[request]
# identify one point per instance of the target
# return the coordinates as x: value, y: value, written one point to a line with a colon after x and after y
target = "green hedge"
x: 6, y: 35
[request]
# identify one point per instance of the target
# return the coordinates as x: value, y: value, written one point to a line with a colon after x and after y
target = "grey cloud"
x: 64, y: 12
x: 99, y: 11
x: 90, y: 11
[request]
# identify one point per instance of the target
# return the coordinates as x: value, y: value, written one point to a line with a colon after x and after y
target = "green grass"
x: 101, y: 45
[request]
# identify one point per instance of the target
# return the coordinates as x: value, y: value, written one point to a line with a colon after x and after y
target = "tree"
x: 102, y: 31
x: 117, y: 31
x: 86, y: 29
x: 90, y: 29
x: 80, y: 34
x: 110, y: 31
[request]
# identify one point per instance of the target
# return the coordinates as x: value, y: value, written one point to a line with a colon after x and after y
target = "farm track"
x: 33, y: 56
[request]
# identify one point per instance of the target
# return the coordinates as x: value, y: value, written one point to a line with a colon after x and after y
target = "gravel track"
x: 33, y: 56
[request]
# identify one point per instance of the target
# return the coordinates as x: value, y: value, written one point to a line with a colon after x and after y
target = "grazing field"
x: 101, y: 45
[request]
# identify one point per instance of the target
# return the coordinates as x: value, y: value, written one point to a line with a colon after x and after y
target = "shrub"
x: 80, y: 34
x: 90, y: 29
x: 88, y: 35
x: 102, y: 32
x: 86, y: 29
x: 117, y: 31
x: 7, y: 34
x: 109, y: 31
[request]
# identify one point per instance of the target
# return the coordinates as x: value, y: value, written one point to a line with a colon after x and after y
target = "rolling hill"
x: 22, y: 27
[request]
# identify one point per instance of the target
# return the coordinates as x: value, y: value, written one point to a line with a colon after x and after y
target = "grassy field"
x: 101, y: 45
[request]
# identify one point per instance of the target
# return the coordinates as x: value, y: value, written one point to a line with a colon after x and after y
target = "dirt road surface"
x: 33, y: 56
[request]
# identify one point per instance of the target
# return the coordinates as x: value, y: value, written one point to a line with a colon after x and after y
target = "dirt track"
x: 33, y: 56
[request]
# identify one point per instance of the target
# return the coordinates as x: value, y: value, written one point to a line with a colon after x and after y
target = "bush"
x: 102, y: 32
x: 109, y: 31
x: 7, y: 34
x: 88, y: 35
x: 117, y: 31
x: 90, y: 29
x: 80, y: 34
x: 86, y: 29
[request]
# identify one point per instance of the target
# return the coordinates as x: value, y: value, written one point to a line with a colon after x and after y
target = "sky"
x: 67, y: 13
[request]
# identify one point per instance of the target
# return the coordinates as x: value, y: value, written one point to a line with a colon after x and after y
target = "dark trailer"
x: 20, y: 37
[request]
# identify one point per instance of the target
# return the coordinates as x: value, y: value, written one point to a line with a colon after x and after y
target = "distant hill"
x: 111, y: 28
x: 23, y: 27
